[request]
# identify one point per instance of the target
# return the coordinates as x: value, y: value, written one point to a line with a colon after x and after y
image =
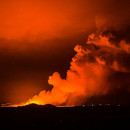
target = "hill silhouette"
x: 33, y: 105
x: 48, y: 116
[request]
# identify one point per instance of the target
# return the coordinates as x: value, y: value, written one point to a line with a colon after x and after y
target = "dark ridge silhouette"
x: 33, y: 105
x: 50, y: 117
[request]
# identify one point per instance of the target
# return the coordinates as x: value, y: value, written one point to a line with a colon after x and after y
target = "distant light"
x: 107, y: 104
x: 83, y: 105
x: 119, y: 105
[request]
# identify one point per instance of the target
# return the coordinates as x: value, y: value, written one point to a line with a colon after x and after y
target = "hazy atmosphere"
x: 65, y: 52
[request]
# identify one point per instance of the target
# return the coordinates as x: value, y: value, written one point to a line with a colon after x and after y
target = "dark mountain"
x: 33, y: 105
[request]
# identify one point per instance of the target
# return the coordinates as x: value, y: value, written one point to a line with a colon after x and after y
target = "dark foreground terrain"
x: 51, y: 117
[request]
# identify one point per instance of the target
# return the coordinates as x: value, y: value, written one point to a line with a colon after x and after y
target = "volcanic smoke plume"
x: 90, y: 74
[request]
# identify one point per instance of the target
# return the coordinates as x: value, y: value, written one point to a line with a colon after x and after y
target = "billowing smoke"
x: 90, y: 74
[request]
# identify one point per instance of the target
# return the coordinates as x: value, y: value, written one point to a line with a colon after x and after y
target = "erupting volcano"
x: 65, y: 64
x: 91, y: 73
x: 37, y: 38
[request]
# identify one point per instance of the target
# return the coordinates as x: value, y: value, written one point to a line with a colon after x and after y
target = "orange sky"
x: 40, y: 19
x: 37, y: 37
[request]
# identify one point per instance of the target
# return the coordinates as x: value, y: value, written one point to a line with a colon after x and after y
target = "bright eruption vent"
x: 89, y: 74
